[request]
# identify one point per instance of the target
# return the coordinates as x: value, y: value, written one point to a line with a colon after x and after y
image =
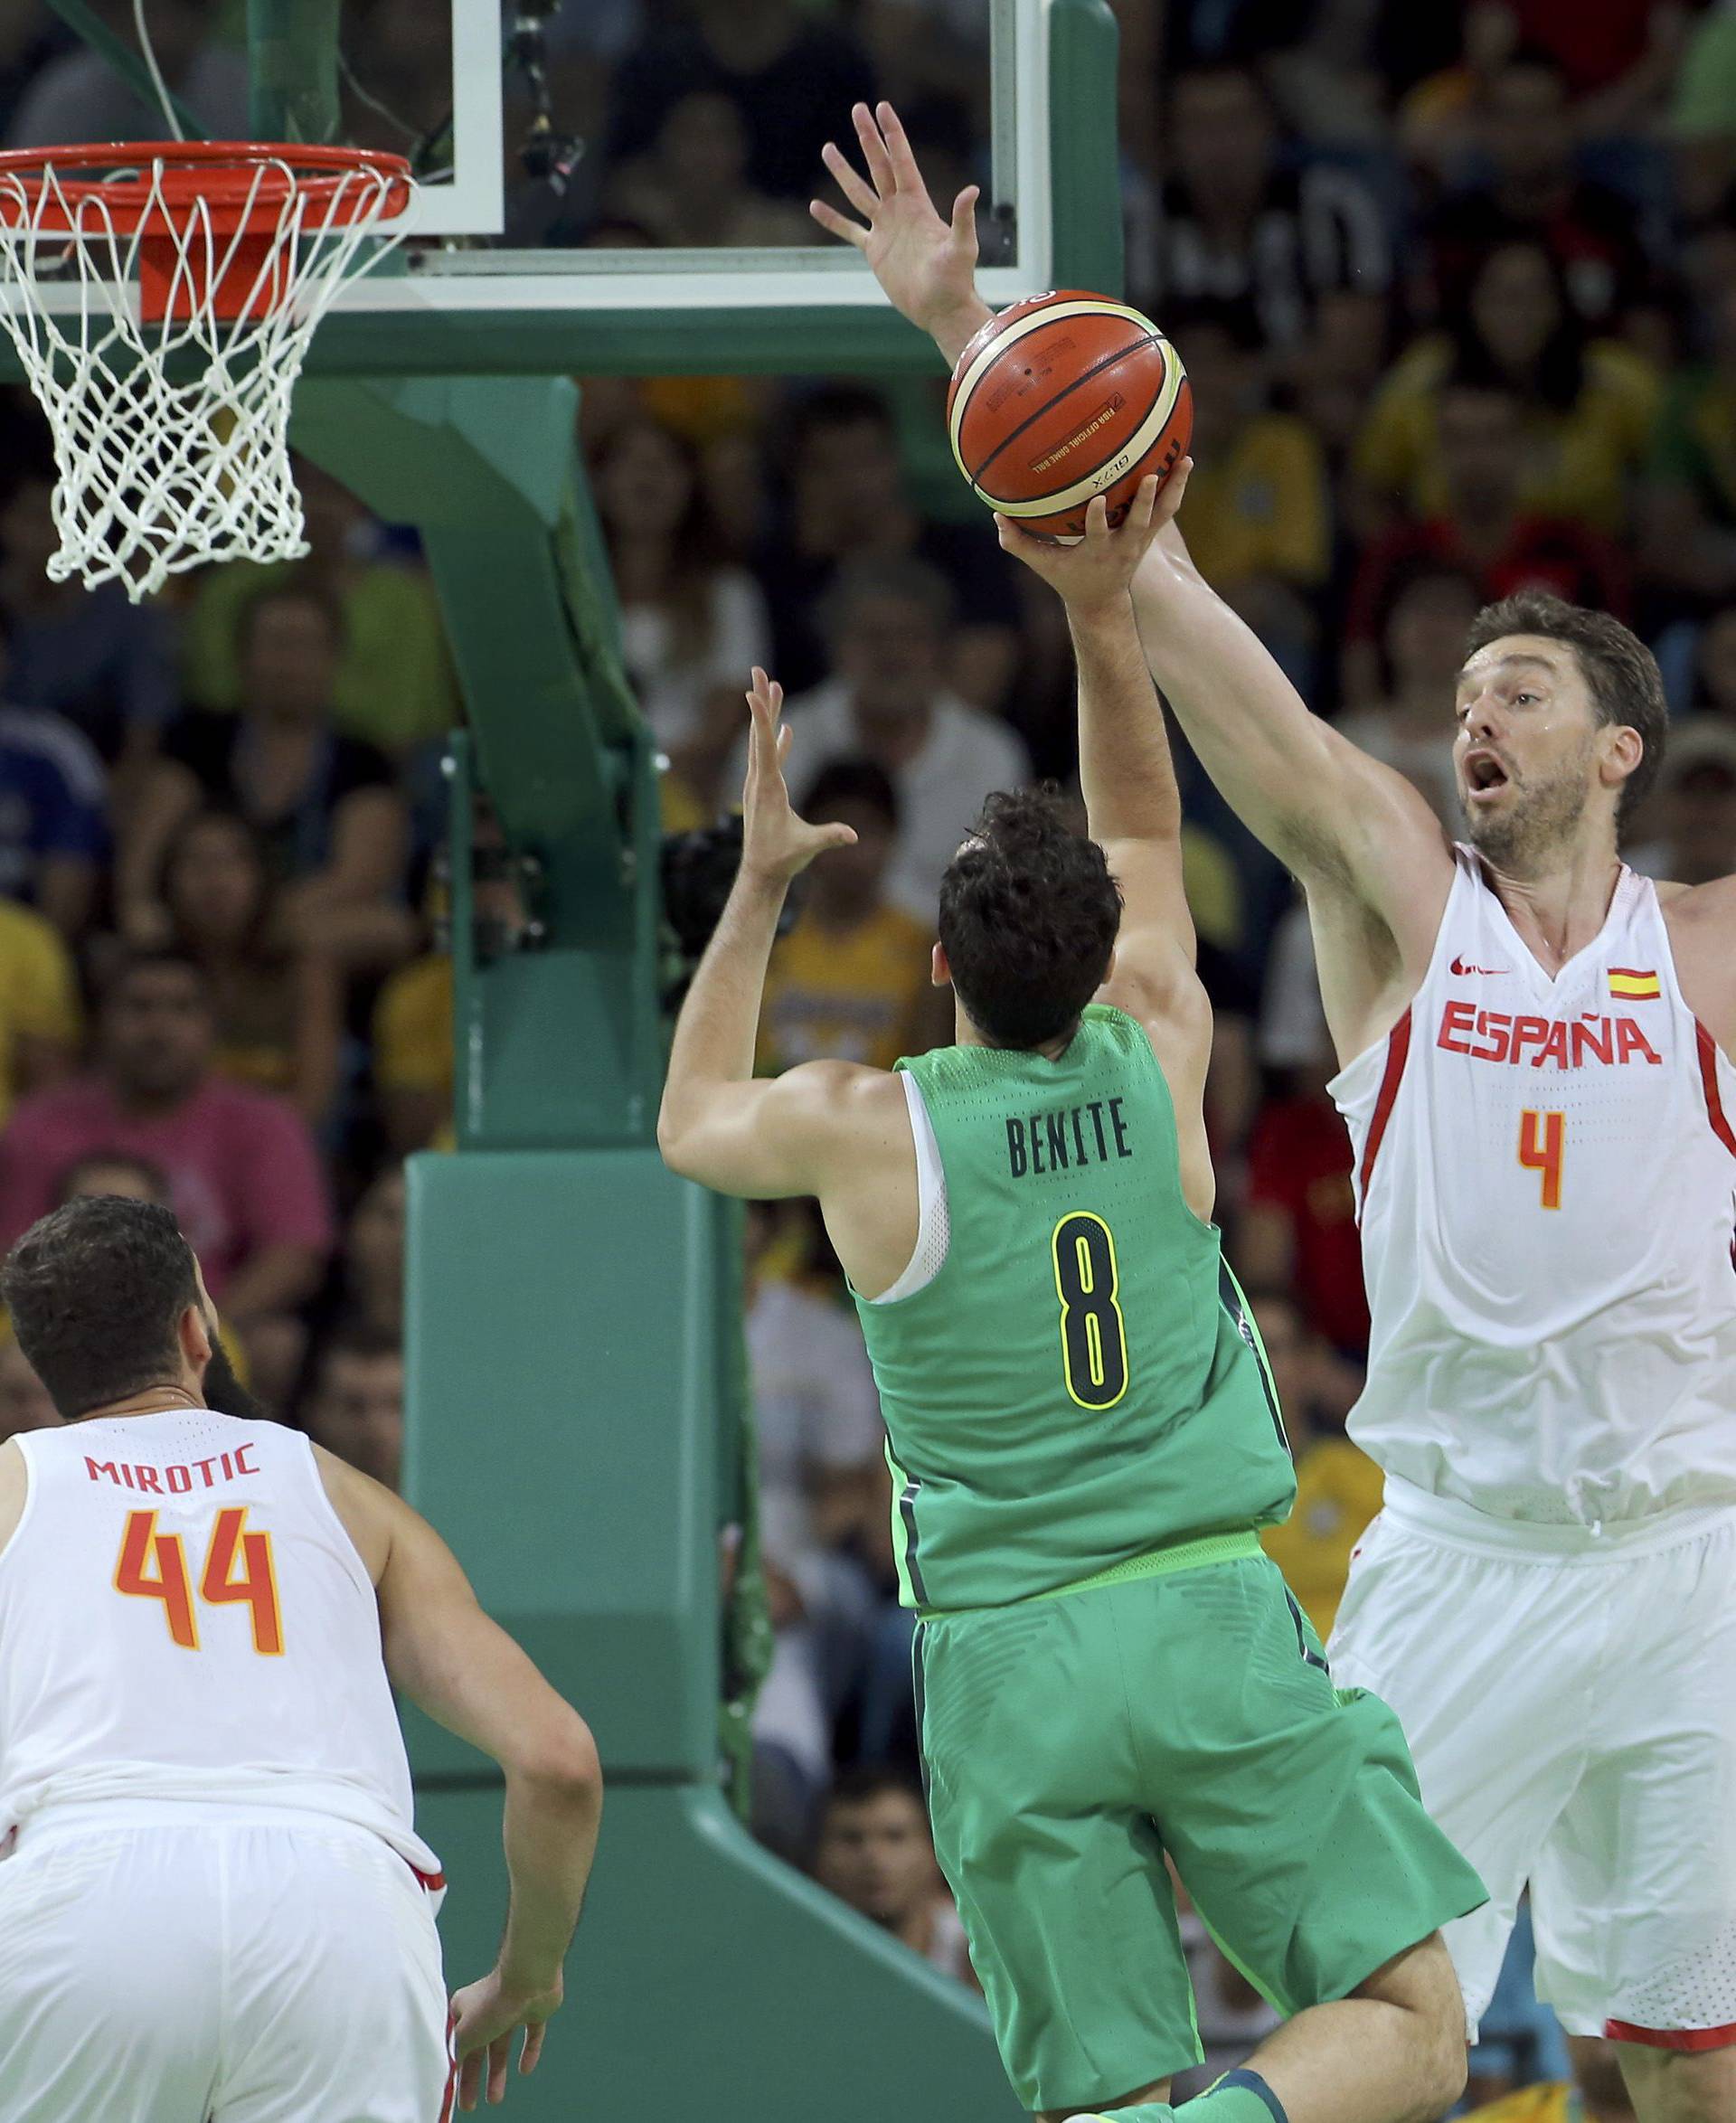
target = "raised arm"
x: 758, y: 1136
x: 1133, y: 806
x: 1367, y: 849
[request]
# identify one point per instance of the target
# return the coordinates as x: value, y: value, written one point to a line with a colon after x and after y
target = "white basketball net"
x: 171, y: 440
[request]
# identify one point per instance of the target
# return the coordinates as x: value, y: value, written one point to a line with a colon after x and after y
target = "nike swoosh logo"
x: 1462, y: 969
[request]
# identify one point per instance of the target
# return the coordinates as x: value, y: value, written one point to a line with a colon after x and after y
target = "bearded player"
x: 1535, y: 1047
x: 1084, y: 1441
x: 214, y: 1906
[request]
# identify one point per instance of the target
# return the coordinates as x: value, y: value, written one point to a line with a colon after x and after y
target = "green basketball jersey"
x: 1080, y: 1383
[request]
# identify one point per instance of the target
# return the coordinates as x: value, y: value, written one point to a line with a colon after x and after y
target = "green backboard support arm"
x: 562, y: 1045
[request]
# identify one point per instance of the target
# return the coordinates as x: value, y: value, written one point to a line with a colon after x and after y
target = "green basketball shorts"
x: 1071, y: 1742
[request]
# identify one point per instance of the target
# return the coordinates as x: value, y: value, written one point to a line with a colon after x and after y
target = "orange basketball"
x: 1062, y: 398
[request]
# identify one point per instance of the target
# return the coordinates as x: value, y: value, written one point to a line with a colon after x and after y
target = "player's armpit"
x: 773, y: 1137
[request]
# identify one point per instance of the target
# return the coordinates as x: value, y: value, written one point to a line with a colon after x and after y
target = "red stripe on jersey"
x: 1721, y: 1126
x: 1680, y: 2038
x: 1397, y: 1047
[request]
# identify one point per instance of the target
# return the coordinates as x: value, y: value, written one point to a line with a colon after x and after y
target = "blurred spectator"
x: 1429, y: 609
x: 330, y: 819
x: 93, y: 656
x: 414, y: 1061
x: 1335, y: 372
x: 691, y: 624
x: 1702, y: 113
x: 245, y: 1182
x: 41, y: 1023
x: 1534, y: 190
x: 1256, y: 515
x: 847, y: 498
x: 1483, y: 527
x: 1298, y: 1226
x: 690, y: 188
x: 1715, y: 692
x: 1338, y: 1488
x: 25, y: 1404
x: 1690, y: 820
x: 1689, y: 523
x: 874, y: 1851
x: 113, y: 1172
x: 888, y: 703
x: 1236, y: 225
x: 52, y: 836
x: 793, y: 79
x: 816, y: 1411
x: 356, y: 1408
x: 393, y: 685
x: 279, y: 1008
x: 363, y: 1292
x: 79, y: 97
x: 413, y: 1039
x: 1587, y: 406
x: 850, y: 980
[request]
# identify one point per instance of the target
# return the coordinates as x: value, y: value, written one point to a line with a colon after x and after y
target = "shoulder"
x: 1621, y: 371
x: 364, y: 1508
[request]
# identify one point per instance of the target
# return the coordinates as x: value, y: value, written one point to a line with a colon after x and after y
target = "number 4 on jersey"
x: 1541, y: 1138
x: 256, y: 1585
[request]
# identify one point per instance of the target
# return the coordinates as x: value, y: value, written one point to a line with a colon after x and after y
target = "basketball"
x: 1062, y: 398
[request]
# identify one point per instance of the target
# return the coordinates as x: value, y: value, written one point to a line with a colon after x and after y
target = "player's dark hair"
x: 96, y: 1290
x: 1028, y: 920
x: 850, y: 781
x: 1621, y: 673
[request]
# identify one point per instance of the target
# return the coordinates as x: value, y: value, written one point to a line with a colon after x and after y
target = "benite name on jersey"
x: 1608, y: 1042
x: 1063, y: 1138
x: 179, y: 1479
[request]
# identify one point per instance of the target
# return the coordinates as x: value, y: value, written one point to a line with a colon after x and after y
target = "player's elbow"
x: 559, y: 1760
x: 674, y: 1138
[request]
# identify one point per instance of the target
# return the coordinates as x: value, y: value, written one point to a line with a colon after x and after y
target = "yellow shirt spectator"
x: 41, y: 1024
x: 1338, y: 1493
x: 1259, y: 507
x: 412, y: 1054
x: 395, y: 683
x: 853, y: 995
x: 1549, y: 2101
x: 1577, y: 459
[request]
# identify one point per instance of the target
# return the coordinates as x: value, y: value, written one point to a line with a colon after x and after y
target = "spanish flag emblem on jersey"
x: 1630, y: 986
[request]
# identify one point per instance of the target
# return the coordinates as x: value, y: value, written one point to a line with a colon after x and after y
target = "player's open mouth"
x: 1483, y: 773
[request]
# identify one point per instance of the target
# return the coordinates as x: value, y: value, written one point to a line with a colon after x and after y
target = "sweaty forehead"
x: 1518, y: 653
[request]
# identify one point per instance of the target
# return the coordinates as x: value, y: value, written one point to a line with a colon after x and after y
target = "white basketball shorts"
x: 1570, y: 1698
x: 246, y: 1966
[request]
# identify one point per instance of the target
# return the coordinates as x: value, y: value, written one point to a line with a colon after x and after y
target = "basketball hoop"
x: 170, y: 408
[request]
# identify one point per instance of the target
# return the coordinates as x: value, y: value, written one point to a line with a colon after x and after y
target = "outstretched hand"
x: 776, y: 844
x: 927, y: 266
x: 1098, y: 570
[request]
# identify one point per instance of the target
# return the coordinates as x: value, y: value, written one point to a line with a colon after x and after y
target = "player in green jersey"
x: 1084, y: 1440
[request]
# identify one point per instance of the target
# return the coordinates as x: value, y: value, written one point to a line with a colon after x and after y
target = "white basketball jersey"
x: 1546, y: 1183
x: 182, y: 1616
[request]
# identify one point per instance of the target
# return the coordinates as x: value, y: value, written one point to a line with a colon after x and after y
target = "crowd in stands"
x: 1456, y: 288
